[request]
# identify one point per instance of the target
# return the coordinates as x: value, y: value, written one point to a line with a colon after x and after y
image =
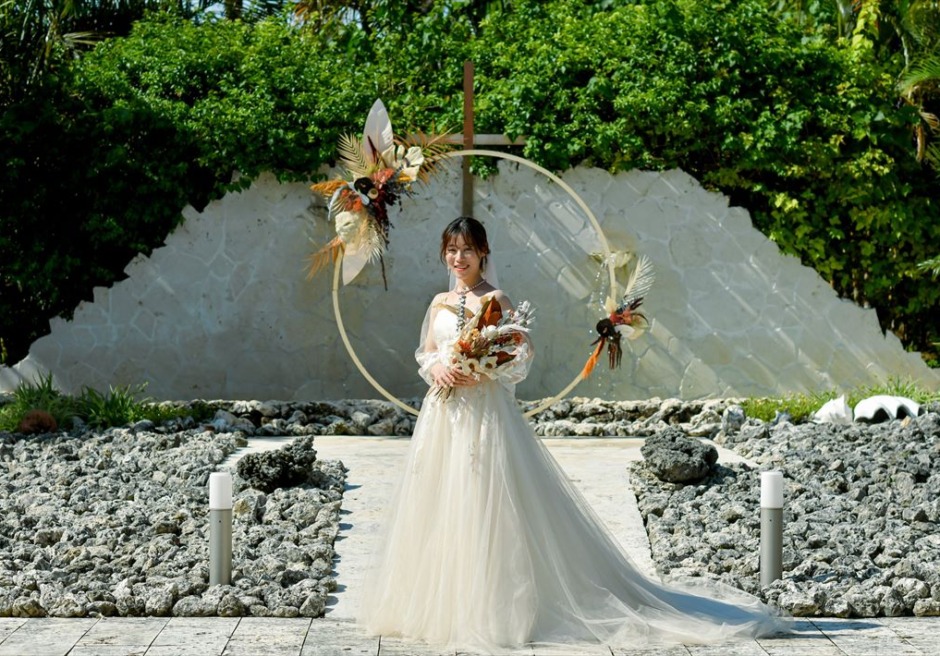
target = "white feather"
x: 640, y: 280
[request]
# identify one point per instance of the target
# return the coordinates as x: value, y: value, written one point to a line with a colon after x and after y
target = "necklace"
x: 462, y: 304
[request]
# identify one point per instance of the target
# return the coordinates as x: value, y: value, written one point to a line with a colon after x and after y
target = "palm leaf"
x: 352, y: 156
x: 328, y: 188
x: 931, y: 120
x: 931, y: 266
x: 921, y: 73
x: 326, y: 255
x: 370, y: 240
x: 932, y: 155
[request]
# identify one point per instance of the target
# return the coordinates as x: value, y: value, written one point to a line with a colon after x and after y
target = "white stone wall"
x: 223, y: 310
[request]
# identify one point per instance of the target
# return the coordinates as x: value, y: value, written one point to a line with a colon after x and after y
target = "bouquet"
x: 489, y: 340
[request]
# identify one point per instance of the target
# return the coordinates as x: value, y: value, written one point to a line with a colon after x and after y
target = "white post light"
x: 771, y: 527
x: 220, y: 528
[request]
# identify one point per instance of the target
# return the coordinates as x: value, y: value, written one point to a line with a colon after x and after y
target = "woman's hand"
x: 445, y: 376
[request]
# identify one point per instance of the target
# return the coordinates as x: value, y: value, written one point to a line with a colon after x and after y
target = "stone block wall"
x: 223, y: 310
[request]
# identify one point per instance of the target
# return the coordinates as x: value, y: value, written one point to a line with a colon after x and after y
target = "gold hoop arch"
x: 605, y: 247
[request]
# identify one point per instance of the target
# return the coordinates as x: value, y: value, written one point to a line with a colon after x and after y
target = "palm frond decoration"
x: 369, y: 240
x: 329, y: 187
x: 326, y: 255
x: 352, y: 156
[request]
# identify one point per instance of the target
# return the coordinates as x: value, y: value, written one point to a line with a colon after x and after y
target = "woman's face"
x: 464, y: 260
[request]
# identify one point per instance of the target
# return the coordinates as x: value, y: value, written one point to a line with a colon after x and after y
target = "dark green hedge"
x: 805, y: 134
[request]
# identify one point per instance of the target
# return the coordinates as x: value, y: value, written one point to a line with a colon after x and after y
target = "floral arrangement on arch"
x: 624, y: 318
x: 379, y: 170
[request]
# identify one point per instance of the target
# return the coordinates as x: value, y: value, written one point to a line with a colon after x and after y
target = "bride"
x: 488, y: 545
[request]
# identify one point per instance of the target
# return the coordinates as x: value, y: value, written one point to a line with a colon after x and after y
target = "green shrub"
x: 40, y: 394
x: 118, y: 407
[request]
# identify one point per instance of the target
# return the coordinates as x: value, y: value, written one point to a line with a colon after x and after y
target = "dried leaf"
x: 353, y: 157
x: 326, y: 255
x: 328, y: 188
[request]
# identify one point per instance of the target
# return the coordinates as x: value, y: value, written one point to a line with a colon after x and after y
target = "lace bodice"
x: 445, y: 329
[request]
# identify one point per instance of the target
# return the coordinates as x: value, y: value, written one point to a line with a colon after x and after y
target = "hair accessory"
x: 380, y: 169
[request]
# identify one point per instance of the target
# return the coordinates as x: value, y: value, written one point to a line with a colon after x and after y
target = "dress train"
x: 489, y: 545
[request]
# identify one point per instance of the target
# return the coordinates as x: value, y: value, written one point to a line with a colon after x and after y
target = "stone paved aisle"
x: 598, y: 467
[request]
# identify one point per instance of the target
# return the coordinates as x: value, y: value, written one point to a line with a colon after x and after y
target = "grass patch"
x: 801, y: 407
x: 40, y: 394
x: 118, y: 406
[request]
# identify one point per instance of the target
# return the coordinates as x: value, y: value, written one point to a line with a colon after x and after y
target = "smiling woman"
x: 487, y: 544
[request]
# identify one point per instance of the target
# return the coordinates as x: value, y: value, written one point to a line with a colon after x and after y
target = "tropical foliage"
x: 817, y: 117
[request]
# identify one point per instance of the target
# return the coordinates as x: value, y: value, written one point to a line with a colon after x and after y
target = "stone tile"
x: 124, y: 631
x: 109, y: 650
x: 728, y: 649
x: 338, y: 638
x: 920, y: 632
x: 817, y: 646
x: 44, y: 648
x: 212, y: 633
x: 278, y: 648
x: 396, y: 647
x: 46, y: 636
x: 8, y: 625
x: 868, y: 637
x: 583, y: 649
x: 194, y: 649
x: 805, y: 639
x: 260, y: 636
x: 678, y: 650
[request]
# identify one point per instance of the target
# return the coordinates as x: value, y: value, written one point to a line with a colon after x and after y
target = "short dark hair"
x: 472, y: 232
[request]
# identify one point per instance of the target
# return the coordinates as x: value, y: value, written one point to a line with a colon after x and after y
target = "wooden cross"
x: 469, y: 139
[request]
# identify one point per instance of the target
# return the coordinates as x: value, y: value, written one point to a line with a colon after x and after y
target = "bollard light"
x: 220, y: 528
x: 771, y: 527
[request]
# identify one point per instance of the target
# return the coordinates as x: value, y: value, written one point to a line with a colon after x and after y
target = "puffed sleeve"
x: 515, y: 371
x: 427, y: 354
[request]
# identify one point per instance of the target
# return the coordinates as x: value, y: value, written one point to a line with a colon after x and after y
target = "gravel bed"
x: 861, y: 516
x: 116, y: 523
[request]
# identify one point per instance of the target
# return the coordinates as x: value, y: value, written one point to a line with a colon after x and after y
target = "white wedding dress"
x: 488, y: 545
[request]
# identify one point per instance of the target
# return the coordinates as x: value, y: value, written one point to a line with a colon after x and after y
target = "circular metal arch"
x: 605, y: 247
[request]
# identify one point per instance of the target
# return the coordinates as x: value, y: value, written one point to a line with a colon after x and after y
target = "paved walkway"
x: 597, y: 466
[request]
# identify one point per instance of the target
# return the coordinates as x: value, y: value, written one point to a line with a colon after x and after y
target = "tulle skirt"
x: 488, y: 545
